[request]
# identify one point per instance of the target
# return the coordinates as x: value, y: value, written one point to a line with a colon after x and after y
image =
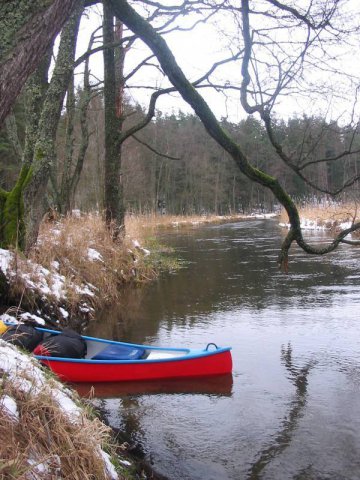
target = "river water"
x: 291, y: 409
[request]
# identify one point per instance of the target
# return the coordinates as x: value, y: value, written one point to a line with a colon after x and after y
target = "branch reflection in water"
x: 299, y: 378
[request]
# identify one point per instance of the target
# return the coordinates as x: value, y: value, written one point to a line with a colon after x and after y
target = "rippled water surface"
x: 292, y: 408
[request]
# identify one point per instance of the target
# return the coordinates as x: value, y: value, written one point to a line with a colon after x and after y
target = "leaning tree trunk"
x: 44, y: 150
x: 114, y: 208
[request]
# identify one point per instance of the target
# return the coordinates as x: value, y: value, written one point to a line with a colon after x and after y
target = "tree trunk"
x: 27, y: 29
x: 44, y: 151
x: 35, y: 91
x: 114, y: 207
x: 12, y: 228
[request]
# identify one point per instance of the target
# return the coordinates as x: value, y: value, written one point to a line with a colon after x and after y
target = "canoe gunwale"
x: 193, y: 355
x: 189, y: 354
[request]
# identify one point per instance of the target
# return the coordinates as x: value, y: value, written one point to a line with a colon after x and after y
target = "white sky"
x: 197, y: 50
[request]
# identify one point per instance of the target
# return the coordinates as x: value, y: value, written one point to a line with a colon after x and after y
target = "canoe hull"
x: 205, y: 364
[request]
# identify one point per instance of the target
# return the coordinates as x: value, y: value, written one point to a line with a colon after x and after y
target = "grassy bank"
x: 329, y: 216
x: 76, y: 267
x: 137, y: 224
x: 46, y: 432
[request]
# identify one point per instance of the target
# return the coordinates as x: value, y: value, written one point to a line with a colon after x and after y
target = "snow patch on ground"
x: 64, y: 313
x: 5, y: 260
x: 109, y: 467
x: 137, y: 245
x: 265, y: 216
x: 307, y: 224
x: 30, y: 316
x: 10, y: 407
x: 26, y: 375
x: 45, y: 282
x: 6, y: 318
x: 24, y: 371
x: 94, y: 255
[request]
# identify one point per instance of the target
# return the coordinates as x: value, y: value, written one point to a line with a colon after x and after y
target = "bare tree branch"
x: 152, y: 149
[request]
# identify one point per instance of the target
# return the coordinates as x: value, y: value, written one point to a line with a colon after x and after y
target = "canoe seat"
x: 119, y: 352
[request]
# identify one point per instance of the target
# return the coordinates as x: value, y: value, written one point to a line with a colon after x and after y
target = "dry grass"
x: 334, y: 214
x: 70, y: 246
x: 43, y: 443
x: 76, y: 267
x: 67, y: 243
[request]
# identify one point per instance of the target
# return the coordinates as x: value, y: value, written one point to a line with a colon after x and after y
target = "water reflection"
x: 299, y: 378
x: 217, y: 385
x: 288, y: 416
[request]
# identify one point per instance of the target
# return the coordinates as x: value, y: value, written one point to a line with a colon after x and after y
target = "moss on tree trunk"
x: 12, y: 229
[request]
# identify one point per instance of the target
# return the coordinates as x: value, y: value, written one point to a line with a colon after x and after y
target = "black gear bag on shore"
x: 23, y: 336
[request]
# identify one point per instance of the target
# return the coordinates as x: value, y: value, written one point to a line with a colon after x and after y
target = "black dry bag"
x: 67, y: 344
x: 23, y: 336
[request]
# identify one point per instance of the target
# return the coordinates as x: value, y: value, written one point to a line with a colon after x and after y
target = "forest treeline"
x: 173, y: 165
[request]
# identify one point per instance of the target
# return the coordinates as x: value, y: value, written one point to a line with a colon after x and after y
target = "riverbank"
x: 77, y: 269
x: 48, y: 431
x: 326, y: 216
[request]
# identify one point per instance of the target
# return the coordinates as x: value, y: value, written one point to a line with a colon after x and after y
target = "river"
x: 292, y: 407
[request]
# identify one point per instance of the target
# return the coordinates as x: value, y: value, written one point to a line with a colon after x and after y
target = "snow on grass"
x: 6, y: 318
x: 345, y: 225
x: 64, y: 313
x: 139, y: 247
x: 5, y: 260
x: 29, y: 380
x: 72, y: 410
x: 46, y: 282
x: 265, y: 216
x: 109, y: 467
x: 309, y: 225
x: 94, y: 255
x: 30, y: 316
x: 24, y: 371
x: 10, y: 406
x: 85, y: 290
x: 319, y: 225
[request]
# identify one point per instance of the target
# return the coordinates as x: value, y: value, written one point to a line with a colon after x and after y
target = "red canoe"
x: 110, y: 361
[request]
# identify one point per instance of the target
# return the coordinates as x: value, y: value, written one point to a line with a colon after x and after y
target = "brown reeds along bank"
x: 76, y: 268
x: 328, y: 215
x: 81, y: 248
x: 45, y: 431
